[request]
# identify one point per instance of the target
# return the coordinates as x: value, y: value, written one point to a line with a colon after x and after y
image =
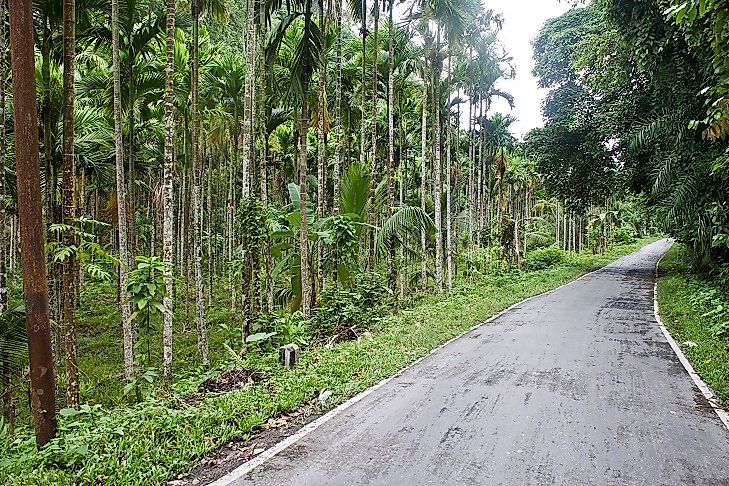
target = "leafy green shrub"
x: 345, y: 311
x: 624, y: 235
x: 542, y: 258
x: 712, y: 301
x: 281, y: 327
x: 485, y: 261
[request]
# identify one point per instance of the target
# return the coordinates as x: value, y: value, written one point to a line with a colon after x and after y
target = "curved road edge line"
x: 274, y: 450
x: 700, y: 384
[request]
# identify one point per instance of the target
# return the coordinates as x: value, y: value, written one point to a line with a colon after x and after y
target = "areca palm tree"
x: 305, y: 62
x: 69, y: 203
x: 35, y: 290
x: 124, y: 260
x: 168, y: 246
x: 373, y: 127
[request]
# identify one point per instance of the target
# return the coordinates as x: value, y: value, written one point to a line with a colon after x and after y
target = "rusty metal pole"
x: 35, y: 286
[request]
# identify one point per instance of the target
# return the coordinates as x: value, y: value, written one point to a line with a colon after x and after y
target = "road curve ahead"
x: 575, y: 387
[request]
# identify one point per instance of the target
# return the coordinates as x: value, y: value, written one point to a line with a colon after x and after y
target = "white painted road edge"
x: 269, y: 453
x: 700, y: 384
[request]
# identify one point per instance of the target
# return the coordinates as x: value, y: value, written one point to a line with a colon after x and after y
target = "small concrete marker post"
x: 288, y: 355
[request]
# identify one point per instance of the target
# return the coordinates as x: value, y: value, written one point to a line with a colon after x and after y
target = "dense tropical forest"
x: 210, y: 180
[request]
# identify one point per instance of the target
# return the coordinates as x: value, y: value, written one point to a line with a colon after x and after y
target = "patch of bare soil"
x: 228, y: 457
x: 231, y: 380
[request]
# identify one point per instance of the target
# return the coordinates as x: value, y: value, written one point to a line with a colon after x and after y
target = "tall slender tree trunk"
x: 556, y: 224
x: 121, y: 197
x: 437, y: 181
x: 527, y: 214
x: 69, y: 203
x: 483, y: 204
x: 363, y: 91
x: 337, y: 169
x: 5, y: 251
x: 500, y: 174
x: 46, y: 109
x: 202, y: 331
x: 248, y: 97
x: 230, y: 207
x: 303, y: 229
x: 131, y: 120
x: 517, y: 243
x: 391, y: 140
x: 449, y: 168
x: 423, y: 173
x: 471, y: 170
x: 264, y: 162
x: 373, y: 134
x: 305, y: 78
x: 402, y: 169
x: 183, y: 245
x: 35, y: 289
x: 321, y: 166
x: 209, y: 221
x: 50, y: 179
x: 167, y: 191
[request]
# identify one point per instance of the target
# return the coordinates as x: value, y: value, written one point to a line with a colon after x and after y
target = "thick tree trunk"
x: 69, y: 203
x: 35, y: 290
x: 121, y: 198
x: 167, y: 191
x: 202, y: 332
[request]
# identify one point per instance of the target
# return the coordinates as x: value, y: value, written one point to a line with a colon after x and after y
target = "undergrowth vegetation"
x: 695, y: 308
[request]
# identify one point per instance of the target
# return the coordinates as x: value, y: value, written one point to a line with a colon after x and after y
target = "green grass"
x: 684, y: 313
x: 149, y: 442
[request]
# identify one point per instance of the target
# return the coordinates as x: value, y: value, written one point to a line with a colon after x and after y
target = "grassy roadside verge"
x: 149, y: 442
x: 685, y: 303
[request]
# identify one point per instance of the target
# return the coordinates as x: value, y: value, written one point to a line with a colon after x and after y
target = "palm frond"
x: 409, y: 220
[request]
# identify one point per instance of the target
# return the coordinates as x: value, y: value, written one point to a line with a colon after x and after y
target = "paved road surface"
x: 577, y: 387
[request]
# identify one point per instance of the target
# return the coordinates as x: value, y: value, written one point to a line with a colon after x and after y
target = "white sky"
x: 522, y: 21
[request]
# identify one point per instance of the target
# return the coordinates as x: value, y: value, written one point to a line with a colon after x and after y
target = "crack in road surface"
x: 574, y: 387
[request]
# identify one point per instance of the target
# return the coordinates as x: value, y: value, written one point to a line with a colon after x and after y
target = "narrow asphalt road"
x: 576, y: 387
